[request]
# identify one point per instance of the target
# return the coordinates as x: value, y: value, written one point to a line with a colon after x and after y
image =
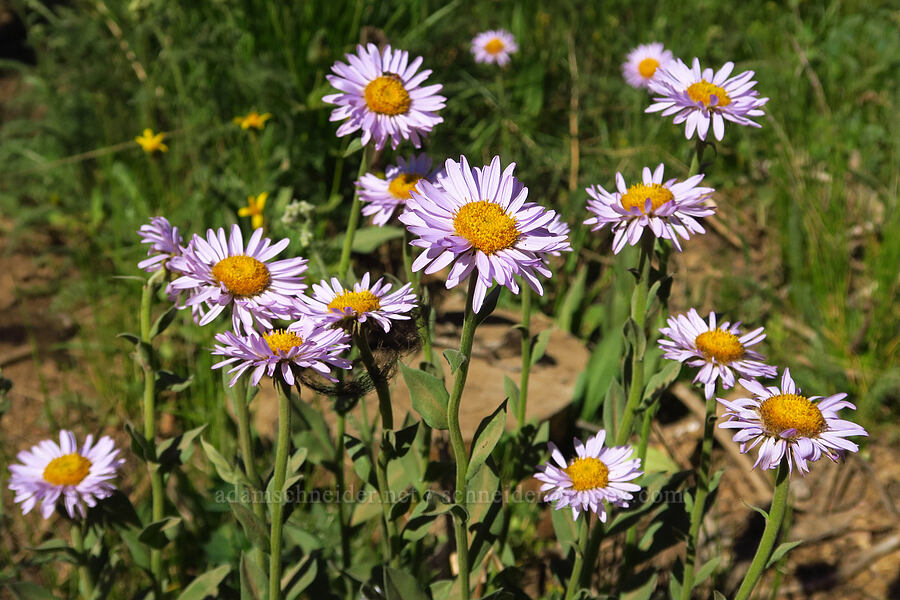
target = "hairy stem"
x: 578, y: 571
x: 526, y: 352
x: 354, y: 219
x: 279, y: 476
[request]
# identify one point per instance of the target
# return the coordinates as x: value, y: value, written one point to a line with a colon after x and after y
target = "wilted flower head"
x: 332, y: 303
x: 595, y: 476
x: 380, y: 94
x: 51, y: 471
x: 385, y: 195
x: 699, y: 98
x: 785, y: 424
x: 494, y: 46
x: 644, y: 62
x: 478, y: 218
x: 164, y: 240
x: 670, y: 209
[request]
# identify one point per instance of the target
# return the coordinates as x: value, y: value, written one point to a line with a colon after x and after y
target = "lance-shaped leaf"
x: 486, y: 437
x: 428, y: 395
x: 205, y: 585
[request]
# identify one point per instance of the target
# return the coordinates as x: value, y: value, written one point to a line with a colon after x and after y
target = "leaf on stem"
x: 428, y: 395
x: 205, y: 585
x: 455, y: 358
x: 486, y: 437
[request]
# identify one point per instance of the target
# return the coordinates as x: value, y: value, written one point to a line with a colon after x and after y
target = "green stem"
x: 279, y: 476
x: 526, y: 352
x: 690, y: 563
x: 697, y: 160
x: 643, y: 442
x: 85, y: 579
x: 584, y: 534
x: 339, y: 477
x: 458, y: 443
x: 770, y: 534
x: 354, y: 219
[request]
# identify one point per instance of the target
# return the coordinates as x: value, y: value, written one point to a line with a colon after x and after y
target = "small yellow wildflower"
x: 254, y: 209
x: 253, y: 119
x: 152, y: 142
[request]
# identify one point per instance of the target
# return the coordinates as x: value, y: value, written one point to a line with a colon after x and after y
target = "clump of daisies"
x: 383, y: 196
x: 494, y: 46
x: 701, y: 98
x: 50, y: 472
x: 669, y: 208
x: 644, y: 62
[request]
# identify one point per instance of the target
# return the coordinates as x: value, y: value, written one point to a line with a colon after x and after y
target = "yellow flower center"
x: 403, y: 184
x: 790, y: 411
x: 359, y: 302
x: 387, y: 96
x: 242, y: 275
x: 588, y: 474
x: 70, y: 469
x: 720, y: 345
x: 702, y: 90
x: 281, y: 340
x: 486, y: 226
x: 637, y: 195
x: 495, y: 46
x: 647, y: 67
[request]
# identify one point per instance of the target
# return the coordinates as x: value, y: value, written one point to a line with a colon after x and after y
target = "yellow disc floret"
x: 790, y: 411
x: 359, y: 302
x: 487, y: 227
x: 70, y: 469
x: 403, y: 184
x: 281, y: 340
x: 243, y: 275
x: 588, y: 474
x: 637, y: 195
x: 647, y: 67
x: 702, y: 90
x: 387, y: 96
x: 495, y: 46
x: 720, y: 345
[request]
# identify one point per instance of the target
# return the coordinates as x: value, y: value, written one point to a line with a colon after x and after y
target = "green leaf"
x: 662, y: 379
x: 489, y: 304
x: 223, y: 466
x: 757, y: 509
x: 353, y: 147
x: 25, y: 590
x: 254, y: 582
x: 300, y: 576
x: 362, y: 460
x: 455, y: 358
x: 486, y: 437
x: 613, y: 407
x: 163, y: 321
x: 205, y: 585
x: 674, y: 588
x: 297, y: 460
x: 511, y: 390
x: 402, y: 586
x: 781, y: 550
x: 397, y: 443
x: 155, y: 534
x: 539, y: 346
x: 368, y: 239
x: 254, y: 527
x: 428, y: 395
x: 644, y: 591
x: 139, y: 444
x: 717, y: 595
x: 565, y: 528
x: 635, y: 337
x: 706, y: 570
x: 176, y: 451
x: 167, y: 380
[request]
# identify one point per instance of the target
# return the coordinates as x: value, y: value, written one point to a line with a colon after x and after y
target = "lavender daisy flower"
x: 644, y: 62
x: 699, y: 97
x: 384, y: 195
x: 164, y: 240
x: 283, y: 353
x: 79, y: 476
x: 719, y: 351
x: 494, y: 46
x: 598, y: 474
x: 332, y: 303
x: 669, y: 208
x: 380, y: 94
x: 788, y: 425
x: 220, y: 272
x: 479, y: 218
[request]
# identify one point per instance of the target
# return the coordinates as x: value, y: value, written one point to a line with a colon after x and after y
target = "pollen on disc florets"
x: 387, y: 96
x: 403, y: 184
x: 720, y: 345
x: 702, y: 90
x: 359, y: 302
x: 70, y: 469
x: 280, y: 340
x: 637, y: 195
x: 791, y: 411
x: 486, y: 226
x: 647, y: 67
x: 588, y: 474
x: 242, y: 275
x: 495, y: 46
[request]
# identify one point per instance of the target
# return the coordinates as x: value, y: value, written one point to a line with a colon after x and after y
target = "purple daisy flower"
x: 332, y: 303
x: 479, y: 218
x: 718, y: 350
x: 284, y: 353
x: 384, y: 195
x: 220, y: 272
x: 699, y: 97
x: 644, y: 62
x: 51, y: 471
x: 494, y: 46
x: 785, y: 424
x: 669, y: 208
x: 598, y: 474
x: 380, y: 94
x: 164, y: 240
